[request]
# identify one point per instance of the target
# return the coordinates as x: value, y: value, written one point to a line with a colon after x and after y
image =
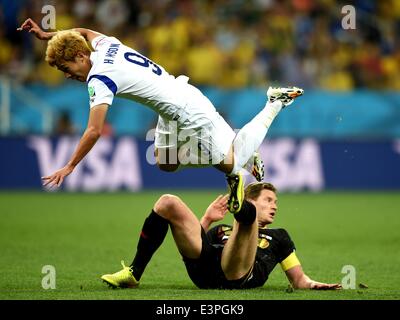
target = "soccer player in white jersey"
x: 112, y: 69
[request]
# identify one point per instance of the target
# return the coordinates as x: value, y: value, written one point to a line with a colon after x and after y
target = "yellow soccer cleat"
x: 121, y: 279
x: 236, y: 192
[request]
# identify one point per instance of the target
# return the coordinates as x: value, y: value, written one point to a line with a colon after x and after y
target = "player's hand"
x: 218, y: 208
x: 32, y: 27
x: 57, y: 178
x: 325, y: 286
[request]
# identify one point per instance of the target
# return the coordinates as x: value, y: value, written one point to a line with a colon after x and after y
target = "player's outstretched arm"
x: 215, y: 211
x: 88, y: 34
x: 32, y: 27
x: 92, y: 133
x: 300, y: 280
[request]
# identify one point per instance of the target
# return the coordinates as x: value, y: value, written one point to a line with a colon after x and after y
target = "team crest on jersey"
x: 91, y: 92
x: 263, y: 242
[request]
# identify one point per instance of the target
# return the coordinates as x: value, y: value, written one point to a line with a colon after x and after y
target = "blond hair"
x: 64, y: 46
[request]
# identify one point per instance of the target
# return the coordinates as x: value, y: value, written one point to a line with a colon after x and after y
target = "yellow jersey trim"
x: 290, y: 262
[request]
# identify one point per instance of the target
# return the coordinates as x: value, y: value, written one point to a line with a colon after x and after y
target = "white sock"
x: 250, y: 137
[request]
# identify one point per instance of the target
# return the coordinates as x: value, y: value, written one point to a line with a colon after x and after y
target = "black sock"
x: 247, y: 213
x: 153, y: 233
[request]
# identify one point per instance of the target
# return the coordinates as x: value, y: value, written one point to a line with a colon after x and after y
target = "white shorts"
x: 200, y: 136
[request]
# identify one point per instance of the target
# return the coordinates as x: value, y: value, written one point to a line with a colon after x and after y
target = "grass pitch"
x: 86, y: 235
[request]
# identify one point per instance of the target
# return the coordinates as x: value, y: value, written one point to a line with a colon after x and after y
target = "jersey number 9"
x: 142, y: 61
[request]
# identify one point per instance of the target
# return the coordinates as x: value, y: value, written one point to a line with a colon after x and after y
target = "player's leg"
x: 166, y: 145
x: 240, y: 250
x: 249, y: 139
x: 171, y: 211
x: 166, y: 159
x: 185, y: 226
x: 151, y: 237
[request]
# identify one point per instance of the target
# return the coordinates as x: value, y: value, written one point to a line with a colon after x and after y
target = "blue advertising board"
x: 126, y: 163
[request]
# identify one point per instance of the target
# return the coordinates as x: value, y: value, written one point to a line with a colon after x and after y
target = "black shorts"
x: 206, y: 272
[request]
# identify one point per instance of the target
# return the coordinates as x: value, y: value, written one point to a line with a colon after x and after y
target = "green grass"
x: 86, y: 235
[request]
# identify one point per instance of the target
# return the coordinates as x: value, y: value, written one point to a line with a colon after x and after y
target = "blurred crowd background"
x: 225, y: 43
x: 232, y: 49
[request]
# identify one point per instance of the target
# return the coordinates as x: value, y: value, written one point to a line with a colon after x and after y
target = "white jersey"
x: 118, y: 70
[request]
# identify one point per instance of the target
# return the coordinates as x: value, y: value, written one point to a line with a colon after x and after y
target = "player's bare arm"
x: 300, y: 280
x: 92, y: 133
x: 32, y: 27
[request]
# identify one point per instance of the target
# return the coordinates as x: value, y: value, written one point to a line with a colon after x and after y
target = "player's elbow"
x: 94, y: 132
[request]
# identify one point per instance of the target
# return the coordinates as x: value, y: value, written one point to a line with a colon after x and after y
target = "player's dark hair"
x: 253, y: 190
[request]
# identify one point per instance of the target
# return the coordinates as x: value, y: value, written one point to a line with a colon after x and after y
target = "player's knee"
x: 164, y: 162
x: 166, y: 204
x: 168, y: 167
